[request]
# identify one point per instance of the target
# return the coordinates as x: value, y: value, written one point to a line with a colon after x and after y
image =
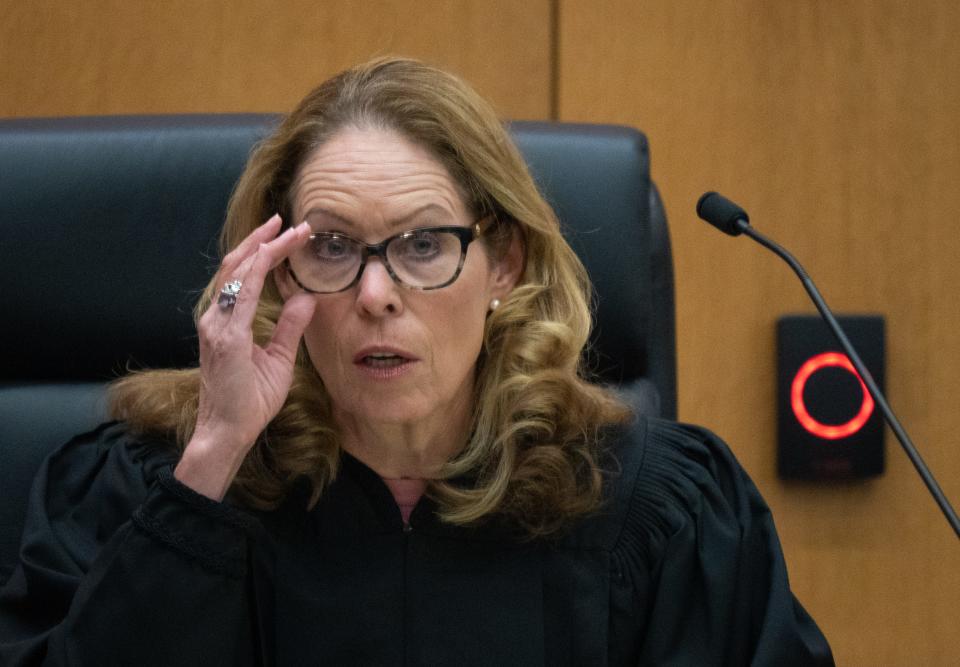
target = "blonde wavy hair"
x: 534, y: 453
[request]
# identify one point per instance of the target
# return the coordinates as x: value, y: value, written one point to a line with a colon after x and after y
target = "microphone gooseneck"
x: 731, y: 219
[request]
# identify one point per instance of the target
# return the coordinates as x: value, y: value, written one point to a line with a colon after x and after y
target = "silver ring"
x: 228, y: 295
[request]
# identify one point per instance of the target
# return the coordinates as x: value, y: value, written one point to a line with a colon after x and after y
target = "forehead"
x: 375, y: 173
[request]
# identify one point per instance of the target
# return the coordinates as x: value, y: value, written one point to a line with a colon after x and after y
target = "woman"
x: 388, y: 454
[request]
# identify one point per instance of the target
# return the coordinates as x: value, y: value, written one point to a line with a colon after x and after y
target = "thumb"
x: 294, y: 318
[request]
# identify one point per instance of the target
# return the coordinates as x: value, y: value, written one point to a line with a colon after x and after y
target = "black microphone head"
x: 721, y: 213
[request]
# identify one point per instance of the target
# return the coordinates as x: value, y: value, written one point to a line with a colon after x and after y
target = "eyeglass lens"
x: 422, y: 258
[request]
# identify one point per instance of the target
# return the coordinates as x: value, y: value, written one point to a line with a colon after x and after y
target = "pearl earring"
x: 494, y: 304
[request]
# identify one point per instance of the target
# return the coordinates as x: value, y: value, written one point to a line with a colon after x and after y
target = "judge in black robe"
x: 122, y: 565
x: 412, y: 311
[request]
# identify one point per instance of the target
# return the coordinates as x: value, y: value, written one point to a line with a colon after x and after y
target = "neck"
x: 415, y: 450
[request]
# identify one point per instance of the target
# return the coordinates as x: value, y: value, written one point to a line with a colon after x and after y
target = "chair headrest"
x: 108, y: 230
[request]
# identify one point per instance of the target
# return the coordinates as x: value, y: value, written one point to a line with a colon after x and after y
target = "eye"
x: 332, y: 247
x: 421, y: 245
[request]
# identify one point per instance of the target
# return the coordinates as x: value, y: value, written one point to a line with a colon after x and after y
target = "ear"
x: 508, y: 269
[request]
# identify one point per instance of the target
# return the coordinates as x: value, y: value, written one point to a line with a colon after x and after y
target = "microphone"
x: 722, y: 213
x: 731, y: 219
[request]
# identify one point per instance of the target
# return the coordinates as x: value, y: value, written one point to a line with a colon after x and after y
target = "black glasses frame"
x: 467, y: 235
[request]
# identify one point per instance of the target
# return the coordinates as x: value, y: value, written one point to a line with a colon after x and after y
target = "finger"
x: 284, y: 245
x: 237, y: 263
x: 267, y: 257
x: 294, y: 318
x: 229, y: 267
x: 251, y: 275
x: 278, y: 249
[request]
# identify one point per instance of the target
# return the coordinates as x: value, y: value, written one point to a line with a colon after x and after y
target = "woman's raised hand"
x: 242, y: 385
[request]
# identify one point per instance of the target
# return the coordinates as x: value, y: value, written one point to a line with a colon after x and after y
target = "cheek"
x: 321, y: 337
x: 457, y: 333
x: 456, y: 320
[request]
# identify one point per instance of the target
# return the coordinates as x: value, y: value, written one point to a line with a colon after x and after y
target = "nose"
x: 377, y: 294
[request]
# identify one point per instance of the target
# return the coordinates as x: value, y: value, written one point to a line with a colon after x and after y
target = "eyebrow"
x: 399, y: 222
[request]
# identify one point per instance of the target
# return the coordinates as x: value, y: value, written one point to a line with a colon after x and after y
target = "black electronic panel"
x: 828, y: 425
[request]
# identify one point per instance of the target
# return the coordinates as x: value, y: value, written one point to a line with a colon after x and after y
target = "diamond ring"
x: 228, y: 295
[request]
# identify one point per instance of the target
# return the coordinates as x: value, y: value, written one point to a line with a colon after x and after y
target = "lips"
x: 382, y: 358
x: 383, y: 361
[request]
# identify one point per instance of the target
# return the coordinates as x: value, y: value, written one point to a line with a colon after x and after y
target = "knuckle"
x: 219, y: 345
x: 204, y: 325
x: 258, y: 259
x: 262, y: 258
x: 231, y: 257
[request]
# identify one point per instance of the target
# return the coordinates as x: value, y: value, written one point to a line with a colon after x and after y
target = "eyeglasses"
x: 423, y: 259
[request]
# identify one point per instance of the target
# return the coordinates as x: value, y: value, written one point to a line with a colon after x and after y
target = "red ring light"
x: 811, y: 366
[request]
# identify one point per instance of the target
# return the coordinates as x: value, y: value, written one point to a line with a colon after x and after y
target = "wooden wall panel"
x: 837, y: 125
x: 138, y: 56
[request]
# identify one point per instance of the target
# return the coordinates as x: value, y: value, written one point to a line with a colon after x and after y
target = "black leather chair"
x: 108, y: 232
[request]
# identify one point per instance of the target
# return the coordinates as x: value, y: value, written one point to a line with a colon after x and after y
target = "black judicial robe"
x: 122, y: 565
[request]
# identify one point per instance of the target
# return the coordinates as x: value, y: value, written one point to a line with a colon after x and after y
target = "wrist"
x: 208, y: 467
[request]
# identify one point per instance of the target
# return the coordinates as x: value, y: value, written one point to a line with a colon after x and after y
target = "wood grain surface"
x: 176, y: 56
x: 835, y: 123
x: 837, y: 126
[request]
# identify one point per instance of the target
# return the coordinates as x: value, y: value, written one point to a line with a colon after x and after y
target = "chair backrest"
x: 108, y: 233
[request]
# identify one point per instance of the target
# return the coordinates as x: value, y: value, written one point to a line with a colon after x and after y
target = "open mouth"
x: 383, y: 360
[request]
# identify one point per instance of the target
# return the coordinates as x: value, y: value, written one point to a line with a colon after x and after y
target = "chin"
x: 394, y: 410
